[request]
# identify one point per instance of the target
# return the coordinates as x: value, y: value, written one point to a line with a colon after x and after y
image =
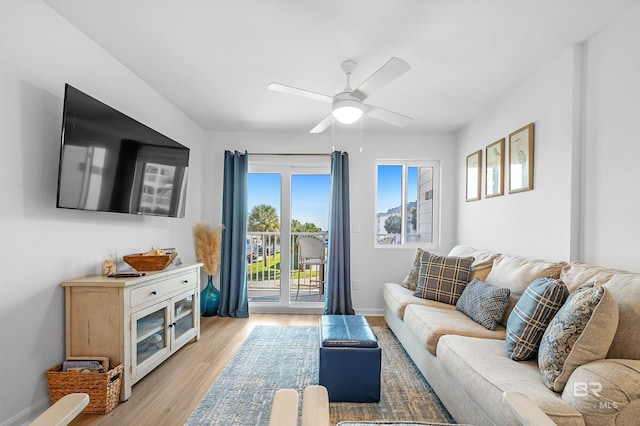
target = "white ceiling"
x: 214, y: 58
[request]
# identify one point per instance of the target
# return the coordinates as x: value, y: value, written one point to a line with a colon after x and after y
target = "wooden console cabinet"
x: 136, y: 321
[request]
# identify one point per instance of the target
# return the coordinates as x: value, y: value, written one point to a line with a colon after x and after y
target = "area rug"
x: 276, y: 357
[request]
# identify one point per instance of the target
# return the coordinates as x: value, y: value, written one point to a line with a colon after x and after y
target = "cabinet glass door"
x: 150, y: 340
x: 184, y: 318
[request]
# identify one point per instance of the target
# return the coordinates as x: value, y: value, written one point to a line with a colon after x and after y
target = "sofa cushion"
x: 581, y: 332
x: 625, y: 288
x: 411, y: 280
x: 443, y: 278
x: 489, y: 375
x: 516, y: 273
x: 480, y: 270
x: 576, y: 274
x: 483, y: 303
x: 482, y: 260
x: 397, y: 298
x: 429, y: 323
x: 532, y: 314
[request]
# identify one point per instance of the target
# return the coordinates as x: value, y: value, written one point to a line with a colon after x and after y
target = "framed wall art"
x: 494, y: 169
x: 521, y: 159
x: 474, y: 164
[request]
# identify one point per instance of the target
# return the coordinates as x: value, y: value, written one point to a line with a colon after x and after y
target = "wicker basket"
x: 103, y: 388
x: 141, y: 262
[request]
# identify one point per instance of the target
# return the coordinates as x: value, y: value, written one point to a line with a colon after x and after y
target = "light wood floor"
x: 169, y: 394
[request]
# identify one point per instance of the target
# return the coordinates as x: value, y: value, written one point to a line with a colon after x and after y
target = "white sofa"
x: 468, y: 366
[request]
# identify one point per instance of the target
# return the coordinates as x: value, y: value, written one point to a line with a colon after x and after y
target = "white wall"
x: 40, y: 246
x: 365, y: 260
x: 611, y: 230
x: 533, y: 223
x: 584, y: 206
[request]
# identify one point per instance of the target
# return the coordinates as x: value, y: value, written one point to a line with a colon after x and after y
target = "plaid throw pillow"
x: 532, y: 314
x: 443, y: 278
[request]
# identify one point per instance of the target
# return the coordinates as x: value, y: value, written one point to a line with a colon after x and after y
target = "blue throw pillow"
x: 532, y: 314
x: 484, y: 303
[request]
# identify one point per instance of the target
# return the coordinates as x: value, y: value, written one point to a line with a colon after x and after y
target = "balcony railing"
x: 264, y: 267
x: 397, y: 238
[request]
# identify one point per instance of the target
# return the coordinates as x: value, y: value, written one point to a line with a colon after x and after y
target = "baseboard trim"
x: 297, y: 309
x: 370, y: 312
x: 264, y: 309
x: 27, y: 415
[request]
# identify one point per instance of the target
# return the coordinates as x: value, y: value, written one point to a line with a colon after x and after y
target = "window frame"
x: 436, y: 197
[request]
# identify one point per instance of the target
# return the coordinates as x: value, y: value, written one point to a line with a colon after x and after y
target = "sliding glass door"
x: 264, y: 248
x: 287, y: 202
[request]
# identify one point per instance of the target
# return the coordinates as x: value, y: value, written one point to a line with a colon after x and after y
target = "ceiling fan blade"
x: 393, y: 69
x: 387, y: 116
x: 326, y: 122
x: 299, y: 92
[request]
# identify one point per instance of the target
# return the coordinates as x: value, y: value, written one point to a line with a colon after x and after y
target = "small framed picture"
x: 494, y: 169
x: 474, y: 164
x: 521, y: 159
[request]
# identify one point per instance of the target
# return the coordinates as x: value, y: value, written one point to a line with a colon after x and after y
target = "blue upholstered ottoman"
x: 350, y: 359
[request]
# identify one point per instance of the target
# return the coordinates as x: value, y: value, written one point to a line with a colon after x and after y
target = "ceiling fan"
x: 348, y: 106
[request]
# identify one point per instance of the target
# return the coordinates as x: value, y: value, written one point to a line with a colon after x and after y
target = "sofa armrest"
x: 605, y: 391
x: 284, y: 409
x: 315, y: 406
x: 63, y: 411
x: 525, y: 410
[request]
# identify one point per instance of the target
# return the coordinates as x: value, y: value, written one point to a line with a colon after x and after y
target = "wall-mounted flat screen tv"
x: 110, y: 162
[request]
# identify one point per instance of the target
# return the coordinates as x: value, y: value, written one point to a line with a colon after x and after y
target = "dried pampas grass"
x: 207, y: 242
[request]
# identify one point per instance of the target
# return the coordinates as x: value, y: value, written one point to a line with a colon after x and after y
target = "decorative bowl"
x: 142, y: 262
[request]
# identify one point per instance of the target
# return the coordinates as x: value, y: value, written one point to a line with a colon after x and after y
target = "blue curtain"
x: 338, y: 294
x: 234, y: 301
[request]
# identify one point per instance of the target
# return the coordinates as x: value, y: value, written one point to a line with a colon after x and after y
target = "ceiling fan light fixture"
x: 347, y: 114
x: 347, y: 111
x: 348, y: 106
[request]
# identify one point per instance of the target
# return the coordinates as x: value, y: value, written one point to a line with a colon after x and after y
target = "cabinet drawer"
x: 160, y: 289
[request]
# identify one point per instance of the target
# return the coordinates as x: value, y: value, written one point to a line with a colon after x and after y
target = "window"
x: 407, y: 203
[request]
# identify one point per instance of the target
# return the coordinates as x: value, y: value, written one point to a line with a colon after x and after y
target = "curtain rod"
x: 288, y: 154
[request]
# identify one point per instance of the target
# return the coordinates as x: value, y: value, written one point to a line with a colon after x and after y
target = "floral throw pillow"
x: 411, y: 280
x: 581, y: 332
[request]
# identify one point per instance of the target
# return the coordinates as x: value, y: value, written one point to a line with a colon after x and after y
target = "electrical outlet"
x: 355, y: 285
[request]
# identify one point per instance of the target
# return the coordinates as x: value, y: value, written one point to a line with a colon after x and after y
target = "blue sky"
x: 309, y: 194
x: 390, y: 186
